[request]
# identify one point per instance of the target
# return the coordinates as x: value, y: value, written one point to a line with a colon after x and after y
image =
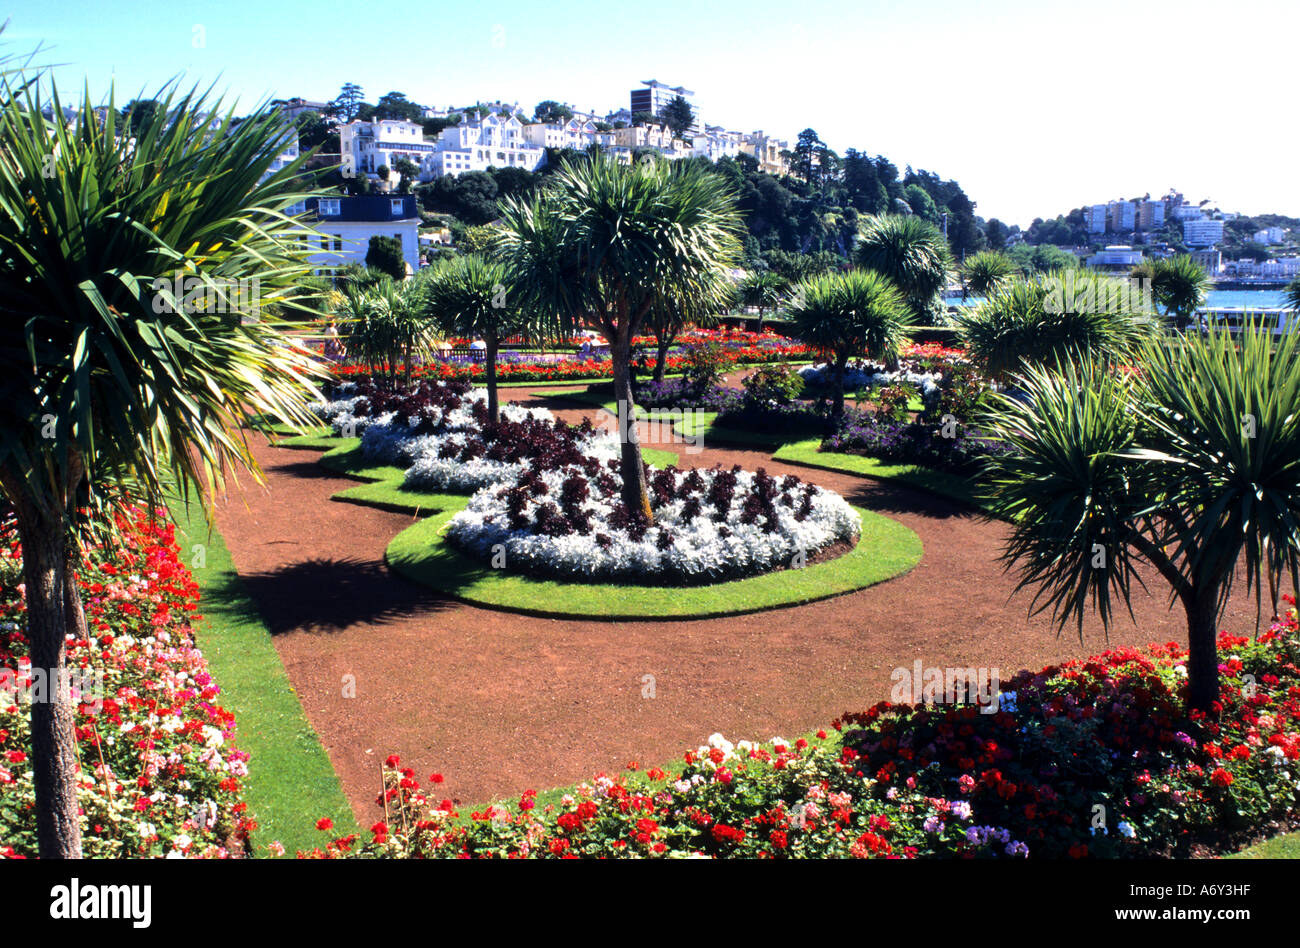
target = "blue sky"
x: 1035, y: 106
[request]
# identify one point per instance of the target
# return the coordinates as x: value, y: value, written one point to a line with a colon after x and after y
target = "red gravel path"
x: 500, y: 703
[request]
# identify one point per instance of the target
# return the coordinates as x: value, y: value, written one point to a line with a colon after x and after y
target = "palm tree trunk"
x: 54, y: 763
x: 661, y: 362
x: 635, y: 495
x: 490, y: 370
x: 1202, y: 652
x: 759, y: 326
x: 837, y: 406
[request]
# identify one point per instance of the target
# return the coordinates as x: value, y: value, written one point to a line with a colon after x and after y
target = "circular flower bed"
x: 709, y: 525
x: 499, y: 452
x: 440, y: 432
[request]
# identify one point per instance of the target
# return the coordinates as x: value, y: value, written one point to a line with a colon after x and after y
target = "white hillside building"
x: 494, y: 142
x: 367, y: 146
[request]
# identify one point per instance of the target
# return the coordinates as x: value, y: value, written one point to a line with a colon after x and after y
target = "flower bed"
x: 709, y: 525
x: 957, y: 449
x: 169, y: 782
x: 516, y: 368
x: 440, y: 433
x: 1092, y: 758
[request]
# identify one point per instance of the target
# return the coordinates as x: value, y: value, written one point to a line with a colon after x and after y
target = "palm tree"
x: 125, y: 350
x: 1179, y: 285
x: 397, y: 307
x: 763, y: 289
x: 915, y: 257
x: 849, y: 314
x: 987, y: 270
x: 1046, y: 319
x: 384, y: 326
x: 604, y: 243
x: 1191, y: 466
x: 466, y: 296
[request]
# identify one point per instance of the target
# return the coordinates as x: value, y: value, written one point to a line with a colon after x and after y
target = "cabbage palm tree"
x: 604, y: 243
x: 129, y: 348
x: 986, y: 271
x: 1179, y: 285
x: 466, y: 296
x: 1055, y: 317
x: 384, y: 326
x: 849, y: 314
x: 913, y: 254
x: 763, y: 289
x: 1192, y: 466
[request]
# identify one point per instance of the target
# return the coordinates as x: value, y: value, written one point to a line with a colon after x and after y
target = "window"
x: 329, y: 206
x: 396, y: 204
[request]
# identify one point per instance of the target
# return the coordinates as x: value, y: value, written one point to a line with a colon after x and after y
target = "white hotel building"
x: 368, y: 146
x: 493, y: 142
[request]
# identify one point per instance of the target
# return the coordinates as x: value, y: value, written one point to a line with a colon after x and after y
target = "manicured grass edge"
x: 886, y: 549
x: 291, y: 782
x: 951, y: 486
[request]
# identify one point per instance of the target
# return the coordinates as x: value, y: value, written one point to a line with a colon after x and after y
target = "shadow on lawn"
x: 328, y: 595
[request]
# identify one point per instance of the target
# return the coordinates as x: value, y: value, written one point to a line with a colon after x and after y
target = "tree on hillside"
x: 110, y: 370
x: 385, y: 254
x: 600, y: 246
x: 803, y: 161
x: 677, y: 116
x: 1189, y: 466
x: 395, y: 105
x: 314, y: 132
x: 138, y: 113
x: 552, y: 112
x: 348, y: 102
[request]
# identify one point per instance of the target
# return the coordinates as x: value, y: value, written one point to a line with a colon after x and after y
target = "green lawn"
x: 952, y: 486
x: 1286, y: 846
x: 290, y: 783
x: 420, y: 552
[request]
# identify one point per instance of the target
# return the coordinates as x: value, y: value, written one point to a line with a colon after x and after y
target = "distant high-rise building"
x: 1122, y: 216
x: 1202, y: 233
x: 1151, y: 215
x: 656, y: 95
x: 1096, y: 217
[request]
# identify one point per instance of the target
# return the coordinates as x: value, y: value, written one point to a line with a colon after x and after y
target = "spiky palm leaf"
x: 1046, y: 319
x: 913, y: 254
x: 987, y: 270
x: 109, y: 368
x: 603, y: 243
x: 855, y: 313
x: 468, y: 296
